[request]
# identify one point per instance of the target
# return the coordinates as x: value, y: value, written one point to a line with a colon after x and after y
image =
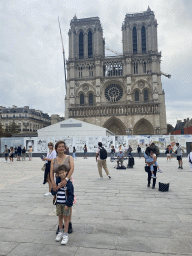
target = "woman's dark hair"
x: 100, y: 144
x: 148, y: 151
x: 58, y: 143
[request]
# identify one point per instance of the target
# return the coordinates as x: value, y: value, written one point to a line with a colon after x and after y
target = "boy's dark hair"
x: 100, y: 144
x: 148, y: 150
x: 62, y: 168
x: 177, y: 144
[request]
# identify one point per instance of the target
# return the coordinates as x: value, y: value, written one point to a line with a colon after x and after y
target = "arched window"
x: 136, y: 96
x: 82, y: 102
x: 134, y: 40
x: 81, y: 47
x: 146, y: 97
x: 135, y: 68
x: 90, y: 46
x: 91, y: 99
x: 144, y: 67
x: 143, y: 39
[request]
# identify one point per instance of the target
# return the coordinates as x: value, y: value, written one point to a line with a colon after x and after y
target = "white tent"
x: 73, y: 127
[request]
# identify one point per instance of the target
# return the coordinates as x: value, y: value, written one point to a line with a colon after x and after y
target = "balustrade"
x: 141, y: 109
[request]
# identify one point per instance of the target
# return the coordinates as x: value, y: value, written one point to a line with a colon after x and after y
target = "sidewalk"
x: 120, y: 216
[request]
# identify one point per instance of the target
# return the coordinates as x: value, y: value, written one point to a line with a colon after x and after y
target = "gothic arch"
x: 82, y: 88
x: 143, y: 127
x: 115, y: 125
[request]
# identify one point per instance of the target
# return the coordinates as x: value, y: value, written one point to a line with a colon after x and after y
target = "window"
x: 90, y: 47
x: 135, y: 68
x: 13, y: 116
x: 81, y: 47
x: 90, y: 71
x: 82, y: 102
x: 134, y: 40
x: 146, y: 98
x: 136, y: 96
x: 80, y: 72
x: 143, y: 39
x: 91, y: 99
x: 144, y: 67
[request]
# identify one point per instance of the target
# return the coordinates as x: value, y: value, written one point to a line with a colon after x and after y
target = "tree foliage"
x: 11, y: 129
x: 170, y: 128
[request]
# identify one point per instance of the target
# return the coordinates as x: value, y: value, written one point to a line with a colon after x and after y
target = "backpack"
x: 103, y: 153
x: 190, y: 161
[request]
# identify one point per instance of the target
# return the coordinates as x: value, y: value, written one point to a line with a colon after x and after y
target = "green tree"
x: 169, y: 128
x: 11, y: 129
x: 1, y: 130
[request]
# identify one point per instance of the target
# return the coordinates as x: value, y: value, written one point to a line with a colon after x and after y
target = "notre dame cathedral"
x: 122, y: 93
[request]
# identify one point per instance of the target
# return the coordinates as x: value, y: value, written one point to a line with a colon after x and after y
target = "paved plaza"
x: 120, y: 216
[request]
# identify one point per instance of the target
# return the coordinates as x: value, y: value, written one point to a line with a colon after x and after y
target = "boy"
x: 64, y: 202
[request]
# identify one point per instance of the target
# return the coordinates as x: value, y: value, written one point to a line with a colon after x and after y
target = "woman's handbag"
x: 147, y: 168
x: 43, y: 168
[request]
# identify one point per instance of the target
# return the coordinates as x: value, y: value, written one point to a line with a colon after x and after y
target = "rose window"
x: 113, y: 92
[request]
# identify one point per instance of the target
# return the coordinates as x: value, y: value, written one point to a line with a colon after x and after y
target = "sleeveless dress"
x: 65, y: 162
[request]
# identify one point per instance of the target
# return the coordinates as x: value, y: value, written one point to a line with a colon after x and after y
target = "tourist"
x: 6, y: 152
x: 64, y: 203
x: 120, y: 157
x: 190, y: 157
x: 74, y: 152
x: 11, y: 155
x: 179, y: 152
x: 101, y: 157
x: 50, y: 155
x: 15, y: 149
x: 23, y: 153
x: 19, y: 153
x: 129, y: 151
x: 149, y: 159
x: 30, y: 153
x: 149, y: 164
x: 112, y: 153
x: 139, y: 151
x: 62, y: 159
x: 85, y: 151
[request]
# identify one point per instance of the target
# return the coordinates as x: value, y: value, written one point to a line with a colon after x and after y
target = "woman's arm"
x: 52, y: 176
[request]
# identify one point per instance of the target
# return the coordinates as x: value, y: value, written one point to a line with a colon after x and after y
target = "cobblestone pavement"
x: 120, y: 216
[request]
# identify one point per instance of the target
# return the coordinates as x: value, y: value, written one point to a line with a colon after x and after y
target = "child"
x: 148, y: 154
x: 64, y: 202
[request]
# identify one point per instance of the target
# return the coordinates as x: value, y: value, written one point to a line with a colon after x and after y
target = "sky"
x: 31, y: 59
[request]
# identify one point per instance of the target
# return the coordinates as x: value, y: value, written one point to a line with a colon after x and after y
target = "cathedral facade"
x: 122, y: 93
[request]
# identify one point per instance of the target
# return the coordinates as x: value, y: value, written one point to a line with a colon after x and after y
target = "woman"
x: 62, y: 159
x: 168, y: 152
x: 85, y: 151
x: 154, y: 168
x: 50, y: 155
x: 23, y: 153
x: 30, y: 153
x: 11, y: 155
x: 74, y: 151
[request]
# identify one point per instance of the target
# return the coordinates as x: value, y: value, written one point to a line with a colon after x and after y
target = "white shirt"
x: 51, y: 155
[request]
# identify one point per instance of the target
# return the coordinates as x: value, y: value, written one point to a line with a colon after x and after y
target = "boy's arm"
x: 70, y: 192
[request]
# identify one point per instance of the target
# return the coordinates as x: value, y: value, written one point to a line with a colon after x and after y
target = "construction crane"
x: 111, y: 50
x: 164, y: 74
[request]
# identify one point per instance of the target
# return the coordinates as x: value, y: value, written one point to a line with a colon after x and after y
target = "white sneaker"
x: 65, y: 239
x: 100, y: 178
x: 48, y: 194
x: 5, y: 161
x: 59, y: 237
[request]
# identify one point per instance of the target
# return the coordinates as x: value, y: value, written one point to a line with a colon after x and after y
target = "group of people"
x: 17, y: 152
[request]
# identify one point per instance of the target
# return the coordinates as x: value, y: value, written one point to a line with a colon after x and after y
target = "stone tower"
x: 121, y: 93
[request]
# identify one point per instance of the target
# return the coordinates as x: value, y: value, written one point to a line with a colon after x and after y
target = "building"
x: 183, y: 127
x: 121, y: 93
x: 29, y: 120
x: 73, y: 128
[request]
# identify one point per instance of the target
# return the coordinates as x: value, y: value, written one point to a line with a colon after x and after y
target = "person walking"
x: 19, y: 153
x: 6, y: 152
x: 179, y: 152
x: 85, y: 151
x: 62, y: 159
x: 11, y: 155
x: 190, y: 157
x: 139, y: 151
x: 30, y: 153
x: 74, y: 152
x: 101, y: 157
x: 129, y: 151
x: 23, y: 154
x: 51, y: 154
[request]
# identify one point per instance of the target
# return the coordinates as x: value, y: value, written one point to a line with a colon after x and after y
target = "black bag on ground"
x: 131, y: 162
x: 163, y: 187
x: 103, y: 153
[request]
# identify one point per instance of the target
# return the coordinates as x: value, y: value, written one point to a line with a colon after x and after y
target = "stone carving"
x: 85, y: 88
